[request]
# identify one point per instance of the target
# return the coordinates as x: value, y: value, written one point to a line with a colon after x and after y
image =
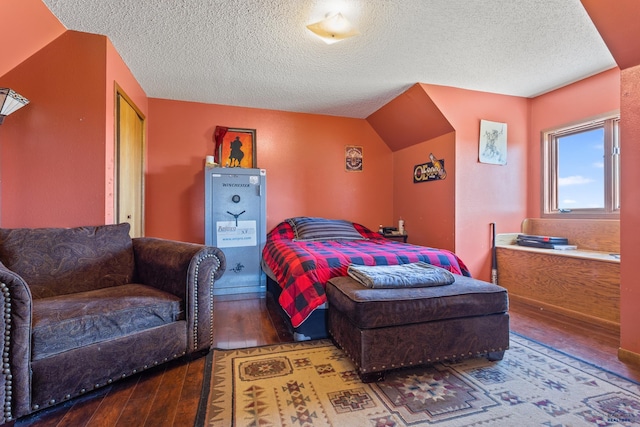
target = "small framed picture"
x: 353, y: 158
x: 493, y: 143
x: 237, y: 148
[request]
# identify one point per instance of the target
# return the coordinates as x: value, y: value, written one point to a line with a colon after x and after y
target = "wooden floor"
x: 169, y: 395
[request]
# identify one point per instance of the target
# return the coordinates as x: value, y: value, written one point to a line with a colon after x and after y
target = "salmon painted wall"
x: 630, y: 212
x: 302, y: 153
x: 408, y: 119
x: 117, y: 74
x: 590, y: 97
x: 53, y: 159
x: 484, y: 193
x: 27, y: 26
x: 428, y: 208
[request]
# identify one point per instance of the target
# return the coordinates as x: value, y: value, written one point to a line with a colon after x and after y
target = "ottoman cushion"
x: 375, y: 308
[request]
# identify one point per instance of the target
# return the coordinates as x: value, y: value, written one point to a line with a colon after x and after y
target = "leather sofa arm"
x: 15, y: 379
x: 188, y: 271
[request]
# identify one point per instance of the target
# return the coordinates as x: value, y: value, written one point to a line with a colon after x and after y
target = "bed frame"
x: 314, y: 327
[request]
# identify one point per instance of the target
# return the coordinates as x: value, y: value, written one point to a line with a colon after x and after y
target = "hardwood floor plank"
x: 138, y: 407
x: 596, y: 345
x: 191, y: 392
x: 110, y: 409
x: 164, y: 406
x: 83, y: 409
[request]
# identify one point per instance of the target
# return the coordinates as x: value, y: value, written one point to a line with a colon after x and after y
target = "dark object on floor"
x: 86, y: 306
x: 383, y: 329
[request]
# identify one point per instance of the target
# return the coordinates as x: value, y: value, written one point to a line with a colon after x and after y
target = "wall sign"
x: 430, y: 171
x: 234, y: 234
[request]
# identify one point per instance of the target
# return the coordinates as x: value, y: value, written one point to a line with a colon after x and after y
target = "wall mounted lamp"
x: 333, y: 28
x: 10, y: 102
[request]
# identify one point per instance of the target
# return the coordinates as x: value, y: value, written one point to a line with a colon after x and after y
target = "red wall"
x: 484, y: 193
x: 630, y: 214
x: 455, y: 213
x: 428, y: 208
x: 302, y: 153
x: 53, y: 159
x: 57, y: 152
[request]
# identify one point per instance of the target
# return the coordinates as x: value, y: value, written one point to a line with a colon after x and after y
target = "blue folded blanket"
x: 414, y: 275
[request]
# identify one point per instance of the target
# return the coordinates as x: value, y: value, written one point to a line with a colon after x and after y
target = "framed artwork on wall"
x: 493, y: 143
x: 353, y: 158
x: 235, y: 147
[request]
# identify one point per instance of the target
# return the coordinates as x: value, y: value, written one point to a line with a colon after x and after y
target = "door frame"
x: 118, y: 91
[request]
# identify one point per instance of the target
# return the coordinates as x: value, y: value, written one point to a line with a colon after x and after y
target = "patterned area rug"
x: 314, y: 384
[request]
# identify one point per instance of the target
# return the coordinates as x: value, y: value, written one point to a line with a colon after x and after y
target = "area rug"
x: 315, y: 384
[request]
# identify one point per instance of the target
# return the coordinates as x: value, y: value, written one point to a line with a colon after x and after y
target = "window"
x: 581, y: 169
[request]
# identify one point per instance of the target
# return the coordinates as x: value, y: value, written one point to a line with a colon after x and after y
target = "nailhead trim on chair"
x: 109, y: 381
x: 211, y: 285
x: 6, y: 367
x: 195, y: 302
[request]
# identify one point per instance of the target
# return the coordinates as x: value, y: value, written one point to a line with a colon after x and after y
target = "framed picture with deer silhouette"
x: 236, y: 147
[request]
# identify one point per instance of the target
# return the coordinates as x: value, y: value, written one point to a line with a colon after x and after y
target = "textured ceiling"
x: 258, y: 53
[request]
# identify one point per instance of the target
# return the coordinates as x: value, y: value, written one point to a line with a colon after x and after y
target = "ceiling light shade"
x: 10, y: 102
x: 333, y: 28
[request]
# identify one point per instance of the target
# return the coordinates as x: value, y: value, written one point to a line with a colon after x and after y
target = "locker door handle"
x: 236, y: 216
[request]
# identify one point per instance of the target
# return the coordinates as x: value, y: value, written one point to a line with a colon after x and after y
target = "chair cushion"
x: 70, y: 321
x: 375, y: 308
x: 56, y: 261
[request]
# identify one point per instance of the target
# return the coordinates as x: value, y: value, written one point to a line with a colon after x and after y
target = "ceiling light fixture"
x: 333, y: 28
x: 10, y: 102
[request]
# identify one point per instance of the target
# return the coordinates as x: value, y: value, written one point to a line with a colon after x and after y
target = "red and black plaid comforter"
x: 303, y: 268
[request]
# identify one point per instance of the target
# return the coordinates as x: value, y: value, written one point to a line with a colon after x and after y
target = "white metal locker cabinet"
x: 235, y: 221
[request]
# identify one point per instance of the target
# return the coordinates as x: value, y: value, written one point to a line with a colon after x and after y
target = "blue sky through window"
x: 581, y: 170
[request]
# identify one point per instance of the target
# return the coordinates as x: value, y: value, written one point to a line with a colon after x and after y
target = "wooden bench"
x: 582, y: 283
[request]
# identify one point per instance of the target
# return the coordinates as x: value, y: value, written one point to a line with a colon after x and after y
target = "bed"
x: 302, y: 253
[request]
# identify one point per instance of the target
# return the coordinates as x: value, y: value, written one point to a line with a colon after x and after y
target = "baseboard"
x: 627, y: 356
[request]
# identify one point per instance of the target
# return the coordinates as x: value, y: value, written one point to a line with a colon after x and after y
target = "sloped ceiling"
x: 410, y: 118
x: 617, y: 22
x: 258, y: 53
x: 19, y: 44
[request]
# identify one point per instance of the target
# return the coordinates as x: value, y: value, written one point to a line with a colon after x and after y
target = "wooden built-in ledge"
x: 508, y: 240
x: 582, y: 283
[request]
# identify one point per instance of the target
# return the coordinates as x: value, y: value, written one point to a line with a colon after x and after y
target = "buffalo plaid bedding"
x: 302, y: 268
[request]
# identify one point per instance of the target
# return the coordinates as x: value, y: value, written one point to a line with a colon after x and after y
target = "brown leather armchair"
x: 83, y: 307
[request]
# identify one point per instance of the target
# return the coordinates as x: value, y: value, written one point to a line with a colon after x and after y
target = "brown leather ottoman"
x: 383, y: 329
